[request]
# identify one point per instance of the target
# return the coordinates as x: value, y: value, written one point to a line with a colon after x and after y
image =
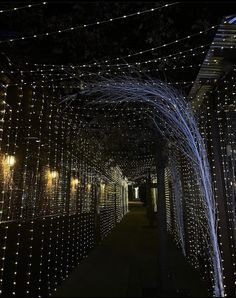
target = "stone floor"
x: 126, y: 265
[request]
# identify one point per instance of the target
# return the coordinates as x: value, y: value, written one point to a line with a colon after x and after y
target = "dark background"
x: 111, y: 40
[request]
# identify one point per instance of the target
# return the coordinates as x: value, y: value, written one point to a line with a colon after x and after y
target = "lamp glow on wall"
x: 8, y: 163
x: 54, y: 174
x: 102, y: 187
x: 102, y: 194
x: 89, y: 187
x: 74, y: 184
x: 51, y: 177
x: 10, y: 160
x: 136, y: 191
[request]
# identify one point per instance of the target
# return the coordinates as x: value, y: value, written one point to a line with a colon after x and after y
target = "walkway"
x: 125, y: 265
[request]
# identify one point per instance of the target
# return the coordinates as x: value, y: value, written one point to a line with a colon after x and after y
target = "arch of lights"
x: 174, y: 119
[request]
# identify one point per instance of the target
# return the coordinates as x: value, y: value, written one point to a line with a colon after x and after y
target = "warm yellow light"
x: 54, y: 174
x: 75, y: 181
x: 51, y: 178
x: 89, y: 187
x: 10, y: 160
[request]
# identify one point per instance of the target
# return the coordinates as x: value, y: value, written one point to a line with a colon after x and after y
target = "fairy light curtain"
x: 49, y: 191
x: 188, y: 228
x: 216, y: 111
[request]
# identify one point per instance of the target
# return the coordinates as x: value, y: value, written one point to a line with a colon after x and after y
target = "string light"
x: 79, y: 86
x: 45, y: 205
x: 71, y: 69
x: 177, y: 200
x: 7, y: 170
x: 100, y: 64
x: 5, y: 108
x: 85, y: 25
x: 73, y: 76
x: 161, y: 46
x: 22, y: 7
x: 19, y: 213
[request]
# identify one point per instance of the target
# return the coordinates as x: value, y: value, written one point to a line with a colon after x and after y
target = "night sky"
x: 111, y: 40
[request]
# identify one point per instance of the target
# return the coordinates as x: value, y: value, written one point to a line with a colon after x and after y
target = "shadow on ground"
x: 126, y: 265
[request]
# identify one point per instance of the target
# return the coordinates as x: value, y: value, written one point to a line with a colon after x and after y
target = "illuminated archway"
x: 174, y: 119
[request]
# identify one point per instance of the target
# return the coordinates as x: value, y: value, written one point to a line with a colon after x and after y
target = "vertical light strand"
x: 55, y: 205
x: 54, y: 176
x: 59, y: 205
x: 4, y: 114
x: 19, y: 214
x: 3, y: 96
x: 68, y: 163
x: 74, y: 190
x: 38, y: 107
x: 7, y: 190
x: 63, y: 212
x: 43, y: 193
x: 26, y: 191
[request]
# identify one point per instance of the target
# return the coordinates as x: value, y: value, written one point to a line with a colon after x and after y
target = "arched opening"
x: 172, y: 117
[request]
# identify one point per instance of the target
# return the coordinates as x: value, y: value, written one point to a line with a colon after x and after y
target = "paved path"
x: 125, y: 265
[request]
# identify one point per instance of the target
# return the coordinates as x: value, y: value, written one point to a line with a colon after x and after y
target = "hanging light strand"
x: 173, y: 55
x: 86, y: 25
x: 63, y: 74
x: 22, y: 7
x: 77, y: 86
x: 161, y: 46
x: 129, y: 70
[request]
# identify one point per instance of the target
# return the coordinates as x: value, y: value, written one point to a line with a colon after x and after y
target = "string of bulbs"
x: 86, y: 25
x: 161, y: 58
x: 22, y: 7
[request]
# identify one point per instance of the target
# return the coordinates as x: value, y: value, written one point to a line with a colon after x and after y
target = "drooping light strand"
x: 74, y: 68
x: 175, y: 55
x: 162, y: 46
x: 78, y: 86
x: 73, y: 75
x: 105, y: 64
x: 22, y: 7
x: 85, y: 25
